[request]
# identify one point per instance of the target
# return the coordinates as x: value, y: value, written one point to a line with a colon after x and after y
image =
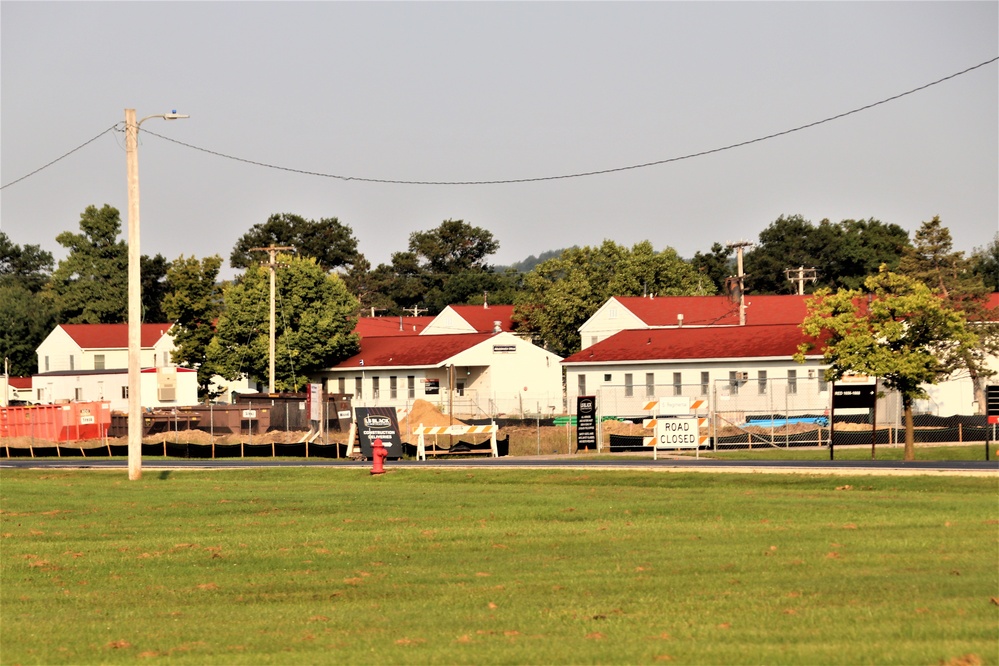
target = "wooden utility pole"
x: 416, y: 310
x: 272, y: 251
x: 741, y: 278
x: 800, y: 275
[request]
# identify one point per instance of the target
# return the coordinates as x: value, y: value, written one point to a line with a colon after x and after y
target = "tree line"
x: 221, y: 327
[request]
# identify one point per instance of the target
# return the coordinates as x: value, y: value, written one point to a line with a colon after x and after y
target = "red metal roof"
x: 19, y: 382
x: 411, y: 350
x: 112, y: 336
x: 482, y: 318
x: 679, y: 344
x: 369, y: 327
x: 716, y: 310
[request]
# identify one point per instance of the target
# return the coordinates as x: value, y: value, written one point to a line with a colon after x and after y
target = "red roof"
x: 411, y: 350
x: 482, y: 318
x: 112, y: 336
x: 19, y: 382
x: 716, y: 310
x: 368, y: 327
x: 679, y: 344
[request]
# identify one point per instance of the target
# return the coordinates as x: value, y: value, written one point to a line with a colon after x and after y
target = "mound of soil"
x: 425, y: 413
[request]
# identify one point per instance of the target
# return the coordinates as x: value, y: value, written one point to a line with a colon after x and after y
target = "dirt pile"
x: 425, y: 413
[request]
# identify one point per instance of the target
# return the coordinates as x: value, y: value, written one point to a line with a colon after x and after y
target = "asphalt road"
x: 876, y: 467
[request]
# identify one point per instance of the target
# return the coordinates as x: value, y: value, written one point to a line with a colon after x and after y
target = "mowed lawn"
x: 314, y: 566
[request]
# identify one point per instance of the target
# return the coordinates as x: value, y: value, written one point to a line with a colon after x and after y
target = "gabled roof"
x: 369, y: 327
x: 112, y: 336
x: 680, y: 344
x: 411, y: 351
x: 482, y: 318
x: 716, y: 310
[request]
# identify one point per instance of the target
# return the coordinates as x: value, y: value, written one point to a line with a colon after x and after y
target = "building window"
x: 46, y: 364
x: 98, y: 361
x: 733, y: 382
x: 650, y: 384
x: 460, y: 388
x: 78, y: 394
x: 410, y: 386
x: 762, y: 382
x: 677, y: 383
x: 823, y: 384
x: 374, y: 388
x: 629, y: 387
x: 166, y: 359
x: 358, y: 387
x: 393, y: 387
x: 124, y: 393
x: 581, y: 384
x: 594, y: 340
x: 72, y: 362
x: 40, y: 394
x: 612, y: 313
x: 705, y: 381
x: 607, y: 378
x: 154, y: 360
x: 792, y: 381
x: 341, y: 385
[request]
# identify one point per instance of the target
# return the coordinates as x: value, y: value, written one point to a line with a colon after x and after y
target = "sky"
x: 283, y: 96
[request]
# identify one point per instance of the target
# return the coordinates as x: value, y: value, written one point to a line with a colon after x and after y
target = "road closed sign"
x: 678, y: 433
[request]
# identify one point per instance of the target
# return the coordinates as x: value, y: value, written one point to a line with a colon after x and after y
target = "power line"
x: 41, y: 168
x: 511, y: 181
x: 582, y: 173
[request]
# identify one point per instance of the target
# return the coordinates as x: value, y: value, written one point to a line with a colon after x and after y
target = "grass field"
x: 311, y: 566
x: 921, y: 451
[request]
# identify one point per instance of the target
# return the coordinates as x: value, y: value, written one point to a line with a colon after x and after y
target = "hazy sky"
x: 480, y: 91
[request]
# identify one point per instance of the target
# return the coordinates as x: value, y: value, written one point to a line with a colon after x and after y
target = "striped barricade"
x: 460, y: 429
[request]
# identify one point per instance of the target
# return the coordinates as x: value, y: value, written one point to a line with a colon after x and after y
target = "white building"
x: 162, y: 388
x: 72, y: 347
x: 90, y: 362
x: 476, y: 374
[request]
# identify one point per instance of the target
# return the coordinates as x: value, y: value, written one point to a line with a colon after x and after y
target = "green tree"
x: 932, y: 260
x: 26, y: 314
x: 153, y: 272
x: 90, y: 285
x: 193, y: 302
x: 26, y: 319
x: 315, y: 320
x: 560, y: 294
x: 716, y: 266
x: 330, y: 242
x: 985, y: 264
x: 843, y: 253
x: 903, y: 333
x: 29, y: 266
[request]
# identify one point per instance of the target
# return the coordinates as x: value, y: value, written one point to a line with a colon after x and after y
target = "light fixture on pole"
x: 135, y: 291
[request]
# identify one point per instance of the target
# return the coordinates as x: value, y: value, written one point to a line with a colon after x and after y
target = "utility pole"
x: 741, y: 278
x: 416, y: 310
x: 800, y: 275
x: 272, y: 251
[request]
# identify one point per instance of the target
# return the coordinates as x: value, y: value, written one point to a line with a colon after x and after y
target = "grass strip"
x: 496, y: 567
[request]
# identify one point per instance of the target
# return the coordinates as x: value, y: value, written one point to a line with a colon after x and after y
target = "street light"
x: 135, y: 292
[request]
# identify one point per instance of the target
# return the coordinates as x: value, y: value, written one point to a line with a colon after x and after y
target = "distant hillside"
x: 528, y: 264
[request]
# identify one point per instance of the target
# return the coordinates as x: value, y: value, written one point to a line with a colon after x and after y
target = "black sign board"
x: 586, y: 422
x: 992, y: 400
x: 854, y: 396
x: 378, y: 423
x: 431, y: 386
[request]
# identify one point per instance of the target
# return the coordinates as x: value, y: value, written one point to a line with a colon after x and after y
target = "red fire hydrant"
x: 378, y: 455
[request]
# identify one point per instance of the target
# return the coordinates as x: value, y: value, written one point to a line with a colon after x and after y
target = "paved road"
x: 885, y: 467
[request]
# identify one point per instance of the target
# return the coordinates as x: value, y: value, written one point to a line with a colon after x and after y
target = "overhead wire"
x: 581, y: 174
x: 62, y: 157
x: 510, y: 181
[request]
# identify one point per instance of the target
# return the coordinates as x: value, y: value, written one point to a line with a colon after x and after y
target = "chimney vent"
x: 497, y: 327
x: 679, y: 320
